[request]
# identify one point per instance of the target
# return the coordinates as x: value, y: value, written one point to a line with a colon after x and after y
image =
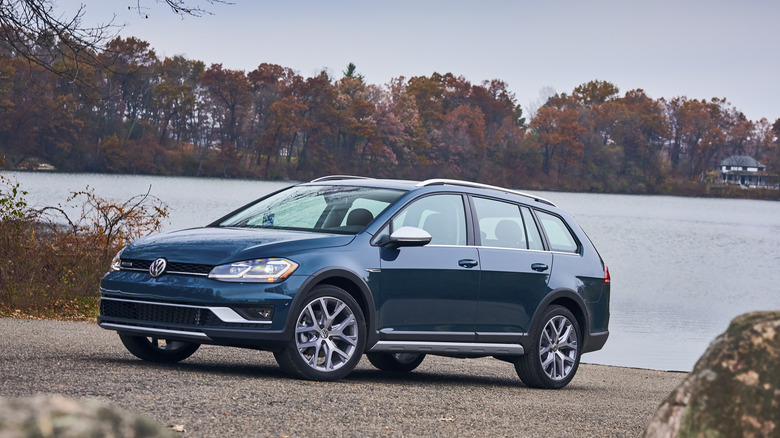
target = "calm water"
x: 681, y: 268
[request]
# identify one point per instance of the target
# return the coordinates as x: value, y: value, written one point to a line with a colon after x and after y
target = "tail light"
x: 607, y: 279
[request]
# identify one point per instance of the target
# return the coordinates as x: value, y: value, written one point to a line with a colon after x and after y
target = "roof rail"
x: 338, y: 177
x: 455, y: 182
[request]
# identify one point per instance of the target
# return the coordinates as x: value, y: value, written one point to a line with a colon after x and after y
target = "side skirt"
x: 446, y: 348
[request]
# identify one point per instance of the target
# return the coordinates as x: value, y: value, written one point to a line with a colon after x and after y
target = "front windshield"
x: 325, y: 208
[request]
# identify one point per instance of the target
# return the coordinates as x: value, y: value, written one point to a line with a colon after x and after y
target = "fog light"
x: 263, y: 313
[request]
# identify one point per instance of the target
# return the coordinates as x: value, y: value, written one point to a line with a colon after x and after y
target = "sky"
x: 695, y: 48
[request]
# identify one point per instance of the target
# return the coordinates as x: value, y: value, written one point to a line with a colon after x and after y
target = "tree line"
x: 135, y: 112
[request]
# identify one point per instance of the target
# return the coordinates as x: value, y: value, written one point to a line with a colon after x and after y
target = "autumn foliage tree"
x: 175, y: 116
x: 560, y: 137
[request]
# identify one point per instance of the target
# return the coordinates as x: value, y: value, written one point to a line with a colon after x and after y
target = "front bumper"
x: 196, y: 309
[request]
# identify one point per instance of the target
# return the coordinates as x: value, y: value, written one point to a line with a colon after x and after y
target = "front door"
x: 430, y: 292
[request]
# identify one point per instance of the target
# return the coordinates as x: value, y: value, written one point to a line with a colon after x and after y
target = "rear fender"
x: 572, y: 301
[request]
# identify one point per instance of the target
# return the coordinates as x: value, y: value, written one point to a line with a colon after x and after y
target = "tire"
x: 329, y: 338
x: 395, y: 362
x: 554, y: 356
x: 158, y: 350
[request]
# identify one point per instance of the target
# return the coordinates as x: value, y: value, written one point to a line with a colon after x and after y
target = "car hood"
x: 214, y: 246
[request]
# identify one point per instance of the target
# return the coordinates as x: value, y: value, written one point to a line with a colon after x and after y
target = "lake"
x: 681, y: 268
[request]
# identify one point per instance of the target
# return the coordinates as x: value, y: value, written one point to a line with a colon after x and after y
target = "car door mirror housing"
x: 408, y: 236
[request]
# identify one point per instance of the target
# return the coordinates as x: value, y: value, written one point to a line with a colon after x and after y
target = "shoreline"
x: 710, y: 191
x: 634, y: 368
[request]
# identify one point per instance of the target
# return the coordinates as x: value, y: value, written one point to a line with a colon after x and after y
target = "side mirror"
x: 408, y: 236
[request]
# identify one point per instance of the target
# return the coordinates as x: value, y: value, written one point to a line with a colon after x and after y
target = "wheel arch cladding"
x: 351, y: 288
x: 577, y: 310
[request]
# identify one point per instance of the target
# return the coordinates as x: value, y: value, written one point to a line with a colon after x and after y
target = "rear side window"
x: 504, y: 225
x: 558, y: 233
x: 500, y: 224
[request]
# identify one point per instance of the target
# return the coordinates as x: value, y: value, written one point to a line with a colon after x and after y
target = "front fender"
x: 347, y: 280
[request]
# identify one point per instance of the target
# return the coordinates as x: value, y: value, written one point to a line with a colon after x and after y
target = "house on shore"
x: 743, y: 170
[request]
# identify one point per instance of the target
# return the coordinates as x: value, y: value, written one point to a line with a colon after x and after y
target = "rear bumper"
x: 596, y: 341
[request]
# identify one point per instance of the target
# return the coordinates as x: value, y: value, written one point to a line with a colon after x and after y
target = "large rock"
x: 734, y: 389
x: 62, y: 417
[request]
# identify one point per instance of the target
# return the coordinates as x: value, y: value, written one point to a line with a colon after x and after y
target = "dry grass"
x: 49, y: 274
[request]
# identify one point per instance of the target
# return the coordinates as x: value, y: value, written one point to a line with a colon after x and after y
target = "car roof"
x: 349, y: 180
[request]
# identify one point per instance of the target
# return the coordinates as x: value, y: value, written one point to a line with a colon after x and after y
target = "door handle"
x: 467, y: 263
x: 539, y: 267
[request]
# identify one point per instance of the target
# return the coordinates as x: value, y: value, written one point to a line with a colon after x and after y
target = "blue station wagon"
x: 323, y: 272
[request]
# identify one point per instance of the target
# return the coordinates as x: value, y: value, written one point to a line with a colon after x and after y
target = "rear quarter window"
x: 558, y: 234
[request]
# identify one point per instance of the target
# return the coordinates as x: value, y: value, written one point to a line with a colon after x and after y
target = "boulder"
x: 62, y: 417
x: 734, y: 389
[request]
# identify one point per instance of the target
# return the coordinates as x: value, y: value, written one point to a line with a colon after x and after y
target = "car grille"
x: 171, y: 268
x: 162, y: 316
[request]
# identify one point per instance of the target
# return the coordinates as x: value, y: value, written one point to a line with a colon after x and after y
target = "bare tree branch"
x: 33, y: 30
x: 62, y: 43
x: 181, y: 7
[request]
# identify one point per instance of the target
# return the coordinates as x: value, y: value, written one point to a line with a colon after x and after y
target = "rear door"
x: 515, y: 269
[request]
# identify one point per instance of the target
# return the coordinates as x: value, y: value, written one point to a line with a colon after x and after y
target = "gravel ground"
x: 223, y: 391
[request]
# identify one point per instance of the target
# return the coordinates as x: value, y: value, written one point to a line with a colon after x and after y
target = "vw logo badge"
x: 158, y: 267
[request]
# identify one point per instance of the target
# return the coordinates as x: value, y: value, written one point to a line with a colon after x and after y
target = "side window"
x: 442, y: 216
x: 558, y: 234
x: 534, y: 238
x: 500, y: 224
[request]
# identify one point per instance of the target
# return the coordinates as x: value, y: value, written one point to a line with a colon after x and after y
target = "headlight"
x: 271, y: 270
x: 116, y: 262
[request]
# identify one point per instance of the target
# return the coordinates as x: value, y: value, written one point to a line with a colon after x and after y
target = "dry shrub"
x: 44, y: 272
x: 105, y: 224
x: 51, y: 264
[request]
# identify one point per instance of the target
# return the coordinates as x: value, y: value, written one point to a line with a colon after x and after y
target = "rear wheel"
x: 157, y: 349
x: 554, y: 357
x: 395, y: 362
x: 330, y: 334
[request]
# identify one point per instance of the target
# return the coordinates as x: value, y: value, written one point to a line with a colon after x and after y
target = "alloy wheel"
x: 326, y: 334
x: 558, y: 347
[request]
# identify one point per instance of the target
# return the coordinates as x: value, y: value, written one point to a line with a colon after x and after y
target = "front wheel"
x: 395, y: 362
x: 157, y: 349
x: 330, y: 334
x: 555, y: 354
